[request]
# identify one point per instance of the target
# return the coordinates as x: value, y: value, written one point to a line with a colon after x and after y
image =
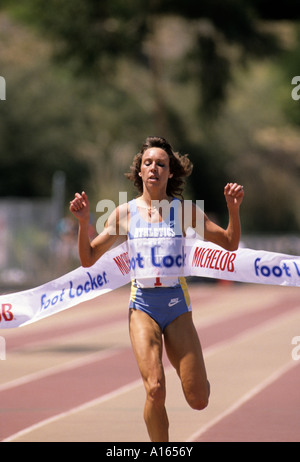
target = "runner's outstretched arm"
x: 228, y: 238
x: 90, y: 252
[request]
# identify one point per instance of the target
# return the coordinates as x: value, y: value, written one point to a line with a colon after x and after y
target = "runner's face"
x: 155, y: 168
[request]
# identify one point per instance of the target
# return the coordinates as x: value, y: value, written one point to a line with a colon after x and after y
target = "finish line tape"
x: 116, y: 268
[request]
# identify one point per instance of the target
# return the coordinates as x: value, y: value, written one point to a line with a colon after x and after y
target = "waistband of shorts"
x: 153, y: 283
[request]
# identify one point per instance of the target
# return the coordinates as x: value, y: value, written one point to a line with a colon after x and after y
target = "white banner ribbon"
x: 244, y: 265
x: 115, y: 269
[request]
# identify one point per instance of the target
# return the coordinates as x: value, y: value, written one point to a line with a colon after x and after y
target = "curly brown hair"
x: 180, y: 166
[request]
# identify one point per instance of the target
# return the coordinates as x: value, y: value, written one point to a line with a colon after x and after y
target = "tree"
x: 37, y: 135
x: 91, y: 35
x: 133, y: 86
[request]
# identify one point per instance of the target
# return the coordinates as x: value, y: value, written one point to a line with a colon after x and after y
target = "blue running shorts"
x: 163, y: 304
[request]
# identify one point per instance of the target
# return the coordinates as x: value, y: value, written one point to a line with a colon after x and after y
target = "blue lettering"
x: 79, y: 290
x: 86, y: 289
x: 91, y: 284
x: 43, y: 304
x: 104, y: 277
x: 287, y: 270
x: 136, y: 260
x: 276, y: 270
x: 140, y: 260
x: 54, y: 300
x: 265, y: 271
x: 256, y: 266
x: 168, y: 261
x: 61, y: 295
x: 132, y: 263
x: 297, y: 268
x: 178, y: 260
x: 92, y: 281
x: 154, y: 263
x: 70, y: 291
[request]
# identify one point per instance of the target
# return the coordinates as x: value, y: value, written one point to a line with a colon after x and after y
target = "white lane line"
x: 82, y: 407
x: 65, y: 337
x: 103, y: 354
x: 246, y: 397
x: 98, y: 356
x: 210, y: 350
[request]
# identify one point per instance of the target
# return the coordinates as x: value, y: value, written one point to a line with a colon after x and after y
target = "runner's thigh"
x: 146, y: 339
x: 185, y: 353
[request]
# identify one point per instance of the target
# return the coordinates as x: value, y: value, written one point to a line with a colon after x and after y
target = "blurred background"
x: 88, y: 80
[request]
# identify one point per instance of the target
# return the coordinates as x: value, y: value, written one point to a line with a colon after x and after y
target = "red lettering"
x: 214, y: 259
x: 6, y: 312
x: 122, y: 262
x: 157, y: 283
x: 197, y: 255
x: 223, y: 261
x: 230, y: 265
x: 202, y: 257
x: 208, y: 258
x: 216, y: 265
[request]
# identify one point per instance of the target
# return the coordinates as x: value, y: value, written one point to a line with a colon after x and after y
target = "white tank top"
x: 156, y: 250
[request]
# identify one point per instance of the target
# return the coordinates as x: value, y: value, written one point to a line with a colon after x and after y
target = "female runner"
x: 160, y: 307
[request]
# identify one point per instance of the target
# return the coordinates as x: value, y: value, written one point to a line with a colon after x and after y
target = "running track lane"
x: 269, y: 408
x: 30, y: 403
x: 44, y: 333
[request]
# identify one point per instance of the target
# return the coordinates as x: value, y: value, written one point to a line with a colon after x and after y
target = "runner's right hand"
x: 79, y: 206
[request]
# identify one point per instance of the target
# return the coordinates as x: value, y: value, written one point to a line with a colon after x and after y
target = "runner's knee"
x: 199, y: 401
x: 156, y: 391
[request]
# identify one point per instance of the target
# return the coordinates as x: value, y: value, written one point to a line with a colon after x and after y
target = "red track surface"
x: 73, y: 377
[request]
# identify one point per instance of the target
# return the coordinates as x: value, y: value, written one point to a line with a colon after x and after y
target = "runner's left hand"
x: 234, y: 194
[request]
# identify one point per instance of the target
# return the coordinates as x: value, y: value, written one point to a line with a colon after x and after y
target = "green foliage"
x: 38, y: 135
x: 210, y: 76
x: 91, y: 35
